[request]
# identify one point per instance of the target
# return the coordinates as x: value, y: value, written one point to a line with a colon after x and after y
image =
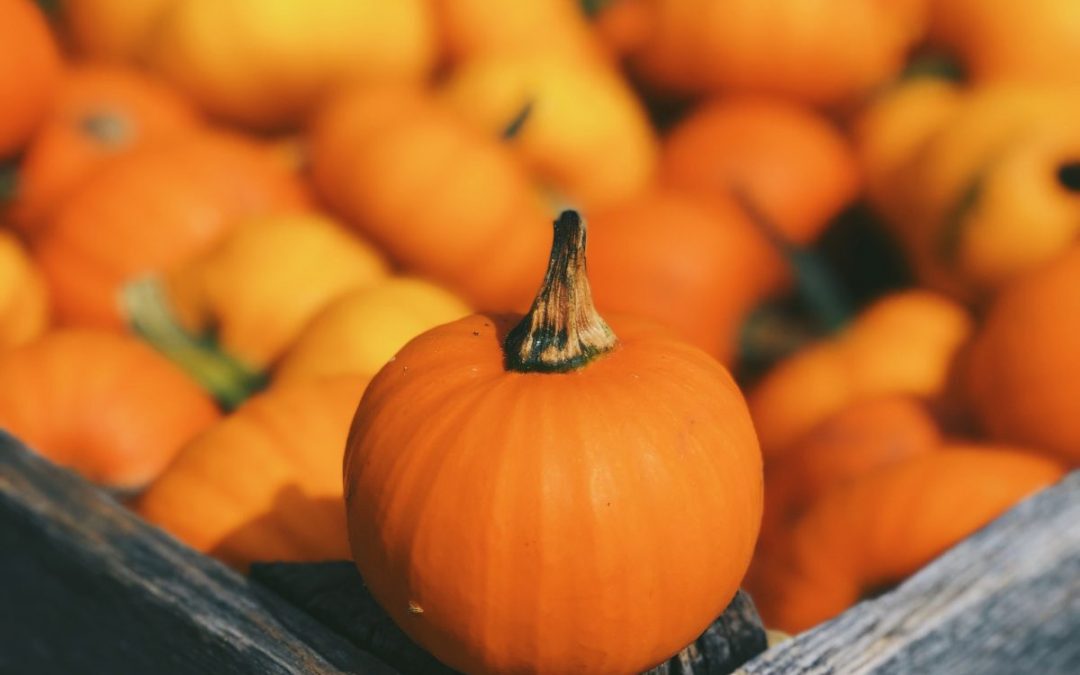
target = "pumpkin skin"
x: 881, y: 529
x: 823, y: 52
x: 469, y: 488
x: 263, y: 281
x: 24, y: 299
x: 110, y: 30
x: 152, y: 209
x: 29, y: 72
x: 265, y: 482
x: 1021, y: 372
x: 103, y: 404
x: 904, y: 343
x: 267, y: 63
x: 586, y: 134
x: 786, y: 158
x: 362, y: 329
x: 100, y: 111
x: 375, y: 152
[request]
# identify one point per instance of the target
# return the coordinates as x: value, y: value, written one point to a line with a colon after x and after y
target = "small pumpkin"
x: 360, y: 331
x: 878, y: 530
x: 247, y: 298
x: 264, y: 484
x: 491, y: 447
x: 100, y: 111
x: 586, y: 134
x: 432, y: 191
x: 151, y: 209
x: 788, y: 159
x: 29, y: 72
x: 103, y: 404
x: 24, y: 299
x: 905, y: 342
x: 1022, y: 371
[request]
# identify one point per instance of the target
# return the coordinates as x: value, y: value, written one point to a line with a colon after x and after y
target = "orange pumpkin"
x: 363, y: 329
x: 112, y: 30
x: 586, y: 134
x: 100, y: 112
x: 105, y: 405
x: 24, y: 299
x: 29, y: 72
x: 484, y: 454
x: 878, y: 530
x: 1022, y: 372
x: 264, y: 483
x: 786, y: 158
x: 251, y: 294
x: 903, y: 343
x: 151, y: 209
x: 693, y: 266
x: 435, y: 193
x: 823, y: 52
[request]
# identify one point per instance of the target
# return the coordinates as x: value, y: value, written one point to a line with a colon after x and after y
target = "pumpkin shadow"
x: 297, y: 527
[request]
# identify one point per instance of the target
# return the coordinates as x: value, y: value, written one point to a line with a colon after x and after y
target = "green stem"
x: 562, y: 331
x: 515, y: 125
x: 230, y: 381
x: 9, y: 180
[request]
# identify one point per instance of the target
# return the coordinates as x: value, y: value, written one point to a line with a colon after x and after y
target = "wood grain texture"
x: 1006, y: 600
x: 87, y: 586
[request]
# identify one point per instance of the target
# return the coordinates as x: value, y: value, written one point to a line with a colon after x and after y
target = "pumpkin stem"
x: 514, y: 127
x: 9, y: 181
x: 110, y: 129
x: 150, y: 316
x: 563, y: 331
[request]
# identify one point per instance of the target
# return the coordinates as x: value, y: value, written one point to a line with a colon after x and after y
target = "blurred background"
x: 218, y: 219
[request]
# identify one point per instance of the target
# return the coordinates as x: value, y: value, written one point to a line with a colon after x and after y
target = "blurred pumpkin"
x: 785, y: 157
x: 103, y: 404
x: 268, y: 63
x: 438, y: 195
x: 904, y: 343
x: 100, y: 112
x: 24, y: 299
x: 360, y: 331
x: 264, y: 484
x: 697, y: 267
x: 879, y: 530
x: 822, y: 52
x: 585, y: 134
x: 1022, y: 372
x: 110, y: 30
x: 483, y: 456
x: 153, y: 208
x: 29, y: 72
x: 994, y: 190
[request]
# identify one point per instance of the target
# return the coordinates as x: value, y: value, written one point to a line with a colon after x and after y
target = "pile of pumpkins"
x: 223, y: 224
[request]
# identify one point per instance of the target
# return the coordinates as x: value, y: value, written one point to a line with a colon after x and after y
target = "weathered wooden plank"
x: 1006, y: 600
x: 87, y: 586
x: 334, y: 593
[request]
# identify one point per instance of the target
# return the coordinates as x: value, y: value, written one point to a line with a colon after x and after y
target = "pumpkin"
x: 265, y: 482
x: 432, y: 191
x: 586, y: 134
x: 1022, y: 370
x: 110, y: 30
x: 823, y: 52
x: 267, y: 63
x: 905, y: 343
x: 486, y: 452
x: 862, y: 438
x: 786, y: 158
x: 697, y: 267
x: 471, y: 28
x: 252, y: 293
x: 878, y: 530
x: 29, y: 72
x: 100, y: 111
x: 24, y: 299
x: 151, y: 209
x: 103, y: 404
x: 362, y: 329
x: 992, y: 192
